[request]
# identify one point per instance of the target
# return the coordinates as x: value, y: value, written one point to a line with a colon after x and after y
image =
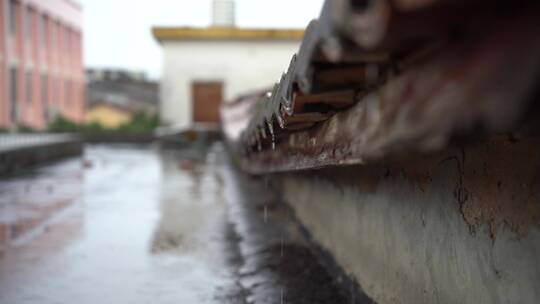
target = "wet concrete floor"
x: 137, y: 225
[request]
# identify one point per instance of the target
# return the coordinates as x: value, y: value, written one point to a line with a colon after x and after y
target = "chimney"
x: 223, y: 13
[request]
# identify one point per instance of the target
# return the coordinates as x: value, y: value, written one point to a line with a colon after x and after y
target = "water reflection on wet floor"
x: 137, y: 227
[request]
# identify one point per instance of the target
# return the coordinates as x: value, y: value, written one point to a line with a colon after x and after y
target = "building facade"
x: 114, y: 97
x: 41, y: 66
x: 203, y: 66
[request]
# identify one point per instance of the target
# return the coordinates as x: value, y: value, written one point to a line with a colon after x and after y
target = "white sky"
x: 117, y: 32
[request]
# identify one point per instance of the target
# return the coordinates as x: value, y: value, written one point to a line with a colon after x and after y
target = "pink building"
x: 41, y: 68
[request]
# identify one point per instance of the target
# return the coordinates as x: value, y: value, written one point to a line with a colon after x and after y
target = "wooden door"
x: 207, y: 97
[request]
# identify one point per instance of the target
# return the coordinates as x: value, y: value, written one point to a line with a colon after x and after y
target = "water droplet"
x: 271, y: 127
x: 265, y: 214
x: 281, y: 122
x: 263, y: 132
x: 288, y: 109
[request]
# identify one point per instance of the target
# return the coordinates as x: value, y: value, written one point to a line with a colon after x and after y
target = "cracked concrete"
x: 431, y: 230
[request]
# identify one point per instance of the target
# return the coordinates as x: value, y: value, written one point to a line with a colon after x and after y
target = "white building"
x: 203, y: 66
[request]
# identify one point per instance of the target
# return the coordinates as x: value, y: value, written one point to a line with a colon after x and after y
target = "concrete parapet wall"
x: 460, y: 227
x: 19, y: 158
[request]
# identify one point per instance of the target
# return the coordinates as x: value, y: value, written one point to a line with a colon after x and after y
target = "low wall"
x: 459, y: 227
x: 17, y: 159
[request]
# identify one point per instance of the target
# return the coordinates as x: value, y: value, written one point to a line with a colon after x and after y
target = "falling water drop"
x: 270, y: 126
x: 263, y: 132
x: 281, y: 122
x: 265, y: 214
x: 272, y: 134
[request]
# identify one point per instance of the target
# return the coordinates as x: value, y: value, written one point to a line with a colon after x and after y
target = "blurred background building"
x: 114, y: 96
x: 203, y: 66
x: 41, y: 68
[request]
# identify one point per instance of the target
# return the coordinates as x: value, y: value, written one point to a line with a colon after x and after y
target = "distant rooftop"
x: 225, y: 33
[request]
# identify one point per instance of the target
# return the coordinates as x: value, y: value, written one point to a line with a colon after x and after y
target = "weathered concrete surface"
x: 458, y: 227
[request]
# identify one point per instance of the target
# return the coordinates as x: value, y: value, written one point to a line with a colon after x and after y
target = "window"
x: 58, y: 32
x: 44, y: 89
x: 29, y: 87
x: 45, y: 96
x: 54, y: 34
x: 67, y: 97
x: 67, y: 40
x: 13, y: 17
x: 28, y: 23
x: 43, y: 29
x: 13, y: 92
x: 54, y: 97
x: 56, y: 92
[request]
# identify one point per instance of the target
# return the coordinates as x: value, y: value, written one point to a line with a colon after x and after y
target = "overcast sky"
x: 117, y: 32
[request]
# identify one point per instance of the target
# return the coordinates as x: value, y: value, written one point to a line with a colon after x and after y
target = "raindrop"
x: 263, y: 132
x: 272, y: 134
x: 289, y: 109
x: 282, y: 295
x: 265, y: 214
x: 270, y: 127
x: 281, y: 122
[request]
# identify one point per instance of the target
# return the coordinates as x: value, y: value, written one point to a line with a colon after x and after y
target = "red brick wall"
x: 55, y: 58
